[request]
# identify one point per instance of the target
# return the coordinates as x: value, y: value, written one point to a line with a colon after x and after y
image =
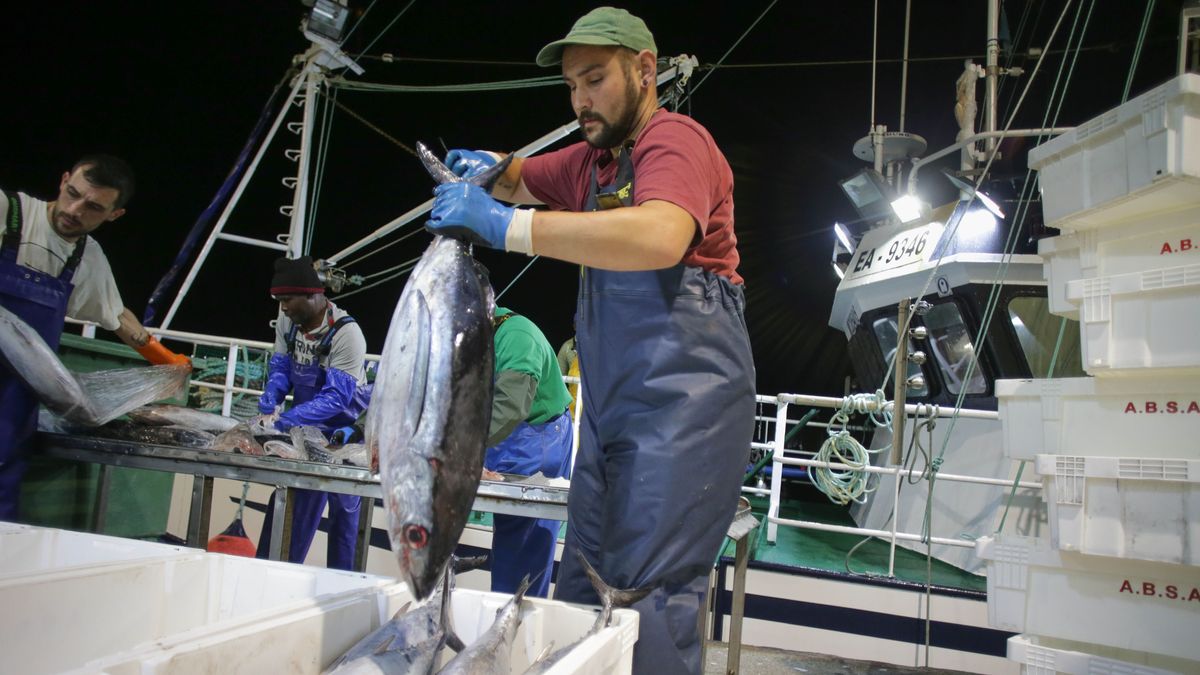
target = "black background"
x: 175, y: 88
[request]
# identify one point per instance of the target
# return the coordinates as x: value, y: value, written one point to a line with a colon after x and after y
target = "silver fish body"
x: 428, y: 419
x: 410, y: 643
x: 169, y: 434
x: 431, y: 407
x: 162, y: 414
x: 610, y: 598
x: 490, y: 654
x: 85, y: 399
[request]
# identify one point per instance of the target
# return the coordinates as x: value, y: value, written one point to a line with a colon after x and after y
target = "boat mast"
x: 322, y: 57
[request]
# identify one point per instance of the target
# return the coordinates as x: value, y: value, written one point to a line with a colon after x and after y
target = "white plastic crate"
x: 63, y: 619
x: 1127, y: 507
x: 304, y: 637
x: 1047, y: 656
x: 310, y: 636
x: 1139, y: 320
x: 1167, y: 240
x: 37, y: 550
x: 1139, y: 158
x: 546, y: 623
x: 1100, y: 417
x: 1131, y: 605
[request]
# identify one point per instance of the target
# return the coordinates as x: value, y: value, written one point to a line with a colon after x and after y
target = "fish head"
x: 413, y: 523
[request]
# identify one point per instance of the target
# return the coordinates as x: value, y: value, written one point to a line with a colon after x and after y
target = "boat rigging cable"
x: 675, y: 96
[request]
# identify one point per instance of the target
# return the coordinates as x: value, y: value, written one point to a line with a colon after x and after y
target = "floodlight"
x: 837, y: 269
x: 909, y: 208
x: 843, y: 237
x: 328, y: 19
x: 869, y: 192
x: 969, y: 190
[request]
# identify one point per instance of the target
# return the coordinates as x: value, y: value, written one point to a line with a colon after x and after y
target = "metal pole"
x: 777, y: 466
x: 233, y: 200
x: 911, y: 408
x: 992, y: 71
x: 904, y: 61
x: 1011, y: 133
x: 900, y: 388
x: 741, y: 561
x: 300, y: 196
x: 198, y: 516
x: 366, y: 514
x: 230, y: 374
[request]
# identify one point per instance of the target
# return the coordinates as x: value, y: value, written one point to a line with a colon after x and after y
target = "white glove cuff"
x: 519, y: 237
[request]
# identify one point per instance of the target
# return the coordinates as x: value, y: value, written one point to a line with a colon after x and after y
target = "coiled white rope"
x: 843, y: 486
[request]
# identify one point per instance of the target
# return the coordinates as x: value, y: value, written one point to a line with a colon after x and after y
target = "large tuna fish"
x: 85, y: 399
x: 432, y: 403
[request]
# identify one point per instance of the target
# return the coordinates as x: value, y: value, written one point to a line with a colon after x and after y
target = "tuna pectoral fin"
x: 385, y: 645
x: 420, y: 372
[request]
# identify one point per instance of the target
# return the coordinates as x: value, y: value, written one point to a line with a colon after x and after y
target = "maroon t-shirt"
x: 674, y: 160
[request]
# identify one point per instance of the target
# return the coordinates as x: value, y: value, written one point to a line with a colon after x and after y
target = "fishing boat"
x: 880, y: 531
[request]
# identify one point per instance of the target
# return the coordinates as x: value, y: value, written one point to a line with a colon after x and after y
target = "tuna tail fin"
x: 442, y: 173
x: 521, y: 588
x: 609, y: 597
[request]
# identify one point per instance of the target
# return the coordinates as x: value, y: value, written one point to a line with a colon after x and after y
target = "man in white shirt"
x: 50, y: 268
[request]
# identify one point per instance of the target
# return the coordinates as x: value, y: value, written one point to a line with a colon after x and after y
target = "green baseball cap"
x: 601, y: 26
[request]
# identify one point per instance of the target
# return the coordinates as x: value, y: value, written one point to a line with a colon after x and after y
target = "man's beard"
x: 612, y: 135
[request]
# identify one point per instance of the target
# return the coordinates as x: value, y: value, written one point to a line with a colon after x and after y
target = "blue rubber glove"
x: 467, y: 163
x: 469, y: 213
x: 278, y: 383
x: 343, y: 436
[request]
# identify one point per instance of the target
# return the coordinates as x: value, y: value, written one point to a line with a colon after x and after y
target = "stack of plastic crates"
x: 1115, y: 586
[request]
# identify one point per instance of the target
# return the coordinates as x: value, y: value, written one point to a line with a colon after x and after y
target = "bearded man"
x: 645, y: 205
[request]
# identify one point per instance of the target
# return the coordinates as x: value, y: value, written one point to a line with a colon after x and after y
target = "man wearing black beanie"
x: 319, y: 353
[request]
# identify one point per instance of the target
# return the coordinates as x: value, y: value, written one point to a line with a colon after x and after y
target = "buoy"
x: 233, y: 540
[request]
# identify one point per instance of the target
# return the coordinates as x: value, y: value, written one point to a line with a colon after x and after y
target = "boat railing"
x: 772, y: 432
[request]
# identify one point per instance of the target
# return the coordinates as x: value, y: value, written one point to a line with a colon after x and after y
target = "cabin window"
x: 885, y: 332
x: 953, y: 350
x: 1038, y: 330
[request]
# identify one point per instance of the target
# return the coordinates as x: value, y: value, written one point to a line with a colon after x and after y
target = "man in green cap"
x: 645, y: 204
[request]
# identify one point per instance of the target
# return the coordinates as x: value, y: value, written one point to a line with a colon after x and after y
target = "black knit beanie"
x: 296, y: 277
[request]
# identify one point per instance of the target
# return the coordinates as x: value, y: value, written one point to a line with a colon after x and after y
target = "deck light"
x: 969, y: 190
x: 909, y: 208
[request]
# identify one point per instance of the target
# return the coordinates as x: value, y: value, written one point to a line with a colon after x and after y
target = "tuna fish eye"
x: 416, y: 536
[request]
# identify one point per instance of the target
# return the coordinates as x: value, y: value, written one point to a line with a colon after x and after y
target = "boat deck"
x: 767, y: 661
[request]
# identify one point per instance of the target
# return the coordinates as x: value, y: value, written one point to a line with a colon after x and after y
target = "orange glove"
x: 154, y: 352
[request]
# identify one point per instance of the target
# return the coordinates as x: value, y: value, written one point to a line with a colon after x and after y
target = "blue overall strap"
x: 12, y: 228
x: 326, y: 342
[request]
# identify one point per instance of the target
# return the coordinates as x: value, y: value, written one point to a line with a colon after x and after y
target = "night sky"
x: 176, y: 87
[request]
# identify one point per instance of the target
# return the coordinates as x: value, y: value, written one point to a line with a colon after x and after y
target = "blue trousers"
x: 306, y: 520
x: 525, y: 546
